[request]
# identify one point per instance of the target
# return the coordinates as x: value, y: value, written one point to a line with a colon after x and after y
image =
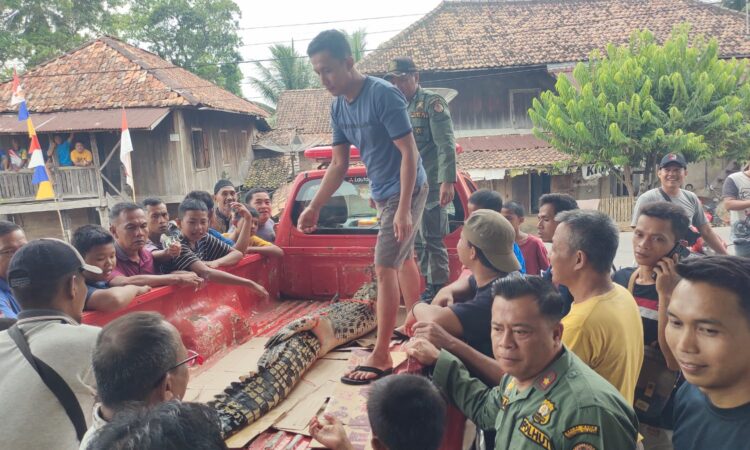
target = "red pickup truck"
x: 337, y: 258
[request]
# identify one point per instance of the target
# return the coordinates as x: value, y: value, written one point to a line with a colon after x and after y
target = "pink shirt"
x: 127, y: 268
x: 535, y: 254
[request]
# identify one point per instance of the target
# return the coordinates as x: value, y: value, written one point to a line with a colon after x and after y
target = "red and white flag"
x: 17, y: 90
x: 126, y: 147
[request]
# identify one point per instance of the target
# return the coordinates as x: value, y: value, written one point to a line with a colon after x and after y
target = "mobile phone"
x: 680, y: 250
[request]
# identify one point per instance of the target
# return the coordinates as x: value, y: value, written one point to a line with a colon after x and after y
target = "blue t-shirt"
x: 699, y: 425
x: 8, y: 306
x: 2, y: 156
x: 372, y: 122
x: 219, y: 236
x: 63, y: 154
x: 519, y: 257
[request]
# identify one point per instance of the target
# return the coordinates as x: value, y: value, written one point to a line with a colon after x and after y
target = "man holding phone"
x: 657, y: 244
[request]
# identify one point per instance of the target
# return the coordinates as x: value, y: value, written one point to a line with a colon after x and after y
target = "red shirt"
x: 535, y: 254
x: 127, y: 268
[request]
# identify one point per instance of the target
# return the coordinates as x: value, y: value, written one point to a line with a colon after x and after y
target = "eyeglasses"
x: 194, y: 359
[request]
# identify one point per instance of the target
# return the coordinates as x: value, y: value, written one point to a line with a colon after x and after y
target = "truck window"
x: 348, y: 211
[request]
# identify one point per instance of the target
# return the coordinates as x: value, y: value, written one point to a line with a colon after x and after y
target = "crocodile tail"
x: 244, y: 402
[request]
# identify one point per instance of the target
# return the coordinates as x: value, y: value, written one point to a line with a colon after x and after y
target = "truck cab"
x: 337, y: 257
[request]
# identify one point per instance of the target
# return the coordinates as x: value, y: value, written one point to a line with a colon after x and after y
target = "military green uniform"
x: 433, y: 131
x: 569, y: 406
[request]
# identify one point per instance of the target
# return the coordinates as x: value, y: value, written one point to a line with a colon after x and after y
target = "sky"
x: 279, y: 21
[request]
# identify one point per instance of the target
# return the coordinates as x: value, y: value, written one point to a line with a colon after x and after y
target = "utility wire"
x: 264, y: 27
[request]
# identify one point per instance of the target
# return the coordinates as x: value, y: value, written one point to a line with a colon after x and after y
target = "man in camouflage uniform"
x: 433, y: 131
x: 548, y: 398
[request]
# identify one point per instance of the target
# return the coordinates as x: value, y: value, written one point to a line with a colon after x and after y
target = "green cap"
x: 492, y: 233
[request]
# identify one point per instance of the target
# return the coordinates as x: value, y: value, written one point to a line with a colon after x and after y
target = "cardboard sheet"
x: 349, y: 404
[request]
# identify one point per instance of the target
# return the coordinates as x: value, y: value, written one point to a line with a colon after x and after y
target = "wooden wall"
x: 163, y: 160
x: 483, y: 100
x: 47, y: 224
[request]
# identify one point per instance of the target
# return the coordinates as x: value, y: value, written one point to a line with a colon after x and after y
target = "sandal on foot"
x: 346, y: 379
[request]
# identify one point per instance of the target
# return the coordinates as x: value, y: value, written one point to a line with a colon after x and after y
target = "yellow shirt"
x: 255, y: 241
x: 606, y: 332
x: 85, y: 155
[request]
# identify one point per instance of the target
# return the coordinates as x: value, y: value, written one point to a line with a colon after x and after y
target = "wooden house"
x: 500, y: 55
x: 187, y: 133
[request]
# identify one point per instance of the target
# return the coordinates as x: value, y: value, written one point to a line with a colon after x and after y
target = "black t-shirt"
x: 699, y: 425
x: 475, y: 316
x: 563, y: 290
x: 648, y: 304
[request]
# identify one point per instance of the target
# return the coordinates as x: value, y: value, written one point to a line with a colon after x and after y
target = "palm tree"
x: 287, y: 70
x: 357, y: 43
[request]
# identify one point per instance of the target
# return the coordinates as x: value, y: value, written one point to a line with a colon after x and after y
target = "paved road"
x: 625, y: 252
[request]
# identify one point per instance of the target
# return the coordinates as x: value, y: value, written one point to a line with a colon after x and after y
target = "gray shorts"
x: 389, y: 252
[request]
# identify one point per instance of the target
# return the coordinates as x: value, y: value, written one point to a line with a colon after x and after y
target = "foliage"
x: 643, y: 100
x: 737, y: 5
x: 357, y: 42
x: 198, y: 35
x: 287, y: 70
x: 33, y: 31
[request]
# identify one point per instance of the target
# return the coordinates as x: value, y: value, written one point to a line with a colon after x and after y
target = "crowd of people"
x: 539, y: 350
x: 62, y: 152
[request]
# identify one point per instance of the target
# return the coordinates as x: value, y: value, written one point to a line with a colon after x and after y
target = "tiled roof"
x: 507, y: 152
x: 270, y: 173
x: 304, y: 112
x: 107, y: 73
x: 493, y: 34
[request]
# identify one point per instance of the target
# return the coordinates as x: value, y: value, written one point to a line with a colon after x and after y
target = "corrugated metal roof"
x: 91, y: 120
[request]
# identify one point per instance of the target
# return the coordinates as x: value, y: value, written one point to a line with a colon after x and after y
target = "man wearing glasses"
x: 139, y: 360
x: 11, y: 239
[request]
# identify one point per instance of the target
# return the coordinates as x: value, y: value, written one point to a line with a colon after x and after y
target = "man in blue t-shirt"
x: 12, y: 238
x: 61, y: 148
x: 370, y: 113
x: 708, y: 332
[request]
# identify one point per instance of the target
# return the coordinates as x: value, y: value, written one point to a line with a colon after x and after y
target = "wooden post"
x: 102, y: 209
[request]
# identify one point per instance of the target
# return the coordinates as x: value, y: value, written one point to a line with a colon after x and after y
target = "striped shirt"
x: 208, y: 248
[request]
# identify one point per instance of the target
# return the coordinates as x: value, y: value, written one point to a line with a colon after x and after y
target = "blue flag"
x: 23, y: 112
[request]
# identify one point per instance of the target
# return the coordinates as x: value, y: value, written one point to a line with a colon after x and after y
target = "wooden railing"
x: 620, y: 209
x: 69, y: 183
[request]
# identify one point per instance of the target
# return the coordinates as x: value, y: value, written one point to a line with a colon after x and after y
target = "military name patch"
x: 535, y: 434
x: 419, y: 115
x: 544, y: 412
x: 583, y: 428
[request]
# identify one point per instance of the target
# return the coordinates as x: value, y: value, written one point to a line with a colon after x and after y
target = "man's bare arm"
x: 712, y: 239
x: 409, y: 156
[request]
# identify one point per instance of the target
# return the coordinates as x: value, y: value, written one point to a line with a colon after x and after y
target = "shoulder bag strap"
x: 631, y: 281
x: 664, y: 194
x: 53, y: 381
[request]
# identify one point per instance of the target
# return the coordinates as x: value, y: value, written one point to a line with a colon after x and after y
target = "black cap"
x: 400, y: 67
x: 44, y: 261
x: 221, y: 184
x: 673, y: 158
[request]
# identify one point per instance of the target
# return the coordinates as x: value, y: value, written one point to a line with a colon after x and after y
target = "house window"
x: 201, y: 157
x: 226, y: 149
x: 520, y: 102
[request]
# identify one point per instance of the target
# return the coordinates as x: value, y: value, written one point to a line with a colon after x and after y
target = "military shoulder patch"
x: 583, y: 428
x: 543, y: 414
x: 535, y: 434
x: 584, y: 446
x: 438, y: 107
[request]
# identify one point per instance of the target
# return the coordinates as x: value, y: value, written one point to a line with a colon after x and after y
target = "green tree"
x: 643, y: 100
x: 737, y: 5
x: 33, y: 31
x: 198, y: 35
x: 287, y: 70
x: 357, y: 42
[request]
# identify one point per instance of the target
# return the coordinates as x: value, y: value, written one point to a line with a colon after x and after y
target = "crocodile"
x: 289, y: 353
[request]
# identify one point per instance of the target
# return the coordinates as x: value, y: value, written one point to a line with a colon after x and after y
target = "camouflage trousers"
x: 429, y: 245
